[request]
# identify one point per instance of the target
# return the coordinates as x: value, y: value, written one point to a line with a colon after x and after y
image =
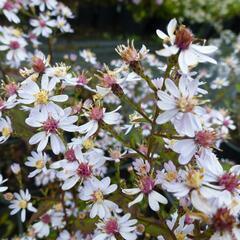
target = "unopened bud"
x: 8, y: 196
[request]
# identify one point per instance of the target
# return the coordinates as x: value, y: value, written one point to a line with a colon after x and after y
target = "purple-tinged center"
x: 205, y: 138
x: 229, y: 181
x: 96, y: 114
x: 184, y: 38
x: 84, y: 170
x: 51, y: 125
x: 46, y: 218
x: 70, y: 155
x: 14, y: 45
x: 146, y: 184
x: 111, y: 227
x: 9, y: 5
x: 223, y: 220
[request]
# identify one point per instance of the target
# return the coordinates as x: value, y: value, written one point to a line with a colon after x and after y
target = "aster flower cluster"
x: 107, y: 162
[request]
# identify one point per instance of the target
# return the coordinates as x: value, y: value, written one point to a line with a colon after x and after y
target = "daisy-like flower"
x: 49, y: 4
x: 218, y: 178
x: 5, y: 129
x: 11, y: 102
x: 65, y: 235
x: 59, y: 72
x: 51, y: 124
x: 219, y: 83
x: 38, y: 160
x: 21, y: 202
x: 10, y: 10
x: 62, y: 10
x: 43, y: 98
x: 43, y: 25
x: 145, y: 187
x: 225, y: 122
x: 141, y: 167
x: 80, y: 170
x: 95, y: 191
x: 129, y: 53
x: 180, y: 104
x: 168, y: 174
x: 192, y: 180
x: 88, y: 56
x: 202, y: 143
x: 42, y: 228
x: 114, y: 226
x: 182, y: 229
x: 96, y: 115
x: 181, y: 42
x: 15, y: 47
x: 224, y: 218
x: 63, y: 25
x: 2, y: 188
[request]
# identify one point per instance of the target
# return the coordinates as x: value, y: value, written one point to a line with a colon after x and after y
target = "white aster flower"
x: 219, y: 83
x: 112, y: 227
x: 97, y: 114
x: 51, y: 124
x: 5, y: 129
x: 43, y: 98
x: 180, y: 104
x: 181, y: 41
x: 15, y: 47
x: 202, y: 143
x: 11, y: 102
x: 94, y: 191
x: 181, y: 230
x: 10, y: 10
x: 88, y: 56
x: 21, y: 202
x: 145, y: 187
x: 2, y: 188
x: 38, y: 160
x: 43, y: 25
x: 80, y: 170
x: 49, y: 4
x: 63, y: 25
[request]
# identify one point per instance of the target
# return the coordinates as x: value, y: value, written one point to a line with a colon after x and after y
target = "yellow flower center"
x: 6, y: 132
x: 171, y: 176
x: 195, y: 178
x: 187, y: 104
x: 88, y: 144
x: 98, y: 196
x: 180, y: 236
x: 60, y: 72
x: 42, y: 97
x: 39, y: 164
x: 23, y: 204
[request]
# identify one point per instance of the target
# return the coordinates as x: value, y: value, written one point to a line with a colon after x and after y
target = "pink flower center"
x: 8, y: 6
x: 81, y: 80
x: 46, y: 218
x: 229, y: 181
x: 84, y: 170
x: 223, y: 220
x: 14, y: 45
x: 96, y: 114
x: 146, y: 184
x: 108, y: 80
x: 38, y: 65
x: 70, y: 155
x: 184, y: 38
x: 42, y: 23
x: 205, y: 138
x: 226, y: 123
x: 111, y: 227
x: 51, y: 125
x: 11, y: 89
